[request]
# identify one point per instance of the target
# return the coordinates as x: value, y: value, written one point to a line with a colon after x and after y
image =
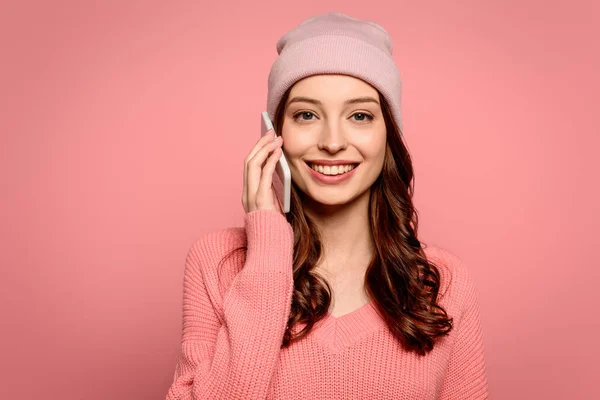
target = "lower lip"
x: 331, y: 179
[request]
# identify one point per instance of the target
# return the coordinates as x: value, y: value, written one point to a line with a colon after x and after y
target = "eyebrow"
x: 365, y: 99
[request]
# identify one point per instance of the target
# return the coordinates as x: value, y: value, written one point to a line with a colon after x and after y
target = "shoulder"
x: 215, y: 245
x: 212, y: 249
x: 451, y: 266
x: 457, y: 284
x: 214, y: 259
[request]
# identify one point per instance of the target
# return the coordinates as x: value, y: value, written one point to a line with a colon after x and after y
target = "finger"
x: 255, y: 166
x: 255, y: 172
x: 266, y: 180
x: 268, y: 137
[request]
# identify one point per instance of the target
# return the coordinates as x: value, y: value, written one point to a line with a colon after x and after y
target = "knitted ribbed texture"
x: 235, y: 311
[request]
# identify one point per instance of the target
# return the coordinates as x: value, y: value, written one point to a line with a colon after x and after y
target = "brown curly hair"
x: 402, y: 283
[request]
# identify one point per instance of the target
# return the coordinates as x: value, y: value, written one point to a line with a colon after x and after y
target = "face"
x: 320, y: 123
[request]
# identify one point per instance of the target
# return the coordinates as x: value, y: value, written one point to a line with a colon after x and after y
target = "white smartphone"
x: 282, y: 178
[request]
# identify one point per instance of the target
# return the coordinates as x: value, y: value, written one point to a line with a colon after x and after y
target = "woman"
x: 337, y: 299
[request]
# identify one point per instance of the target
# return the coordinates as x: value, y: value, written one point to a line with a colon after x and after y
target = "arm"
x: 466, y: 375
x: 236, y: 359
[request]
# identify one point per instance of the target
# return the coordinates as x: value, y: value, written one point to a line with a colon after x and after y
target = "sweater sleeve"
x: 466, y: 375
x: 236, y: 360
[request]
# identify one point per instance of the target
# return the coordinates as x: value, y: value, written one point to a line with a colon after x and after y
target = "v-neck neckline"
x: 337, y: 333
x: 360, y: 309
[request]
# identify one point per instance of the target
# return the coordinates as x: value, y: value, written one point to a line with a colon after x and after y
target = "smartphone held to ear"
x: 282, y: 177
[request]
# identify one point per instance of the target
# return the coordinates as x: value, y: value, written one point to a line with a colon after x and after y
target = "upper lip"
x: 332, y: 162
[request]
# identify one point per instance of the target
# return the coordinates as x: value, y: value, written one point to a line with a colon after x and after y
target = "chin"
x: 337, y: 199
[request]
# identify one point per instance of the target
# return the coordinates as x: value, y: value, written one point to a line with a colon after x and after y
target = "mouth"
x: 331, y: 174
x: 332, y: 170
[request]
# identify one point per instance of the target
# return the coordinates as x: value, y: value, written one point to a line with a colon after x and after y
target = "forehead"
x: 332, y: 89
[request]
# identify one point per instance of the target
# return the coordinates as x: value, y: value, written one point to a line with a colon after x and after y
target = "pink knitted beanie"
x: 334, y: 43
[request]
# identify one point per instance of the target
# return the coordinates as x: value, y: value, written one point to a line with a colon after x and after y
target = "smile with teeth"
x: 332, y: 170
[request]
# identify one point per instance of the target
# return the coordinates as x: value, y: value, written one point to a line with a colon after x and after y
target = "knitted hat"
x: 334, y: 43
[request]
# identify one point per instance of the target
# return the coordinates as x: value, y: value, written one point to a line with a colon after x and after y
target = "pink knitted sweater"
x: 235, y: 314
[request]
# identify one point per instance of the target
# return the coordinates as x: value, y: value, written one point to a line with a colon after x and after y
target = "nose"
x: 332, y: 140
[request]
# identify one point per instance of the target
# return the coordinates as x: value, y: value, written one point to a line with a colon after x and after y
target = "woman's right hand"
x: 258, y: 193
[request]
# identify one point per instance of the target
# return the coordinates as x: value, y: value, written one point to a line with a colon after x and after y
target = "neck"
x: 346, y: 233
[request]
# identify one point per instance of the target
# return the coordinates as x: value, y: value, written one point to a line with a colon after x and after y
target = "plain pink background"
x: 124, y: 129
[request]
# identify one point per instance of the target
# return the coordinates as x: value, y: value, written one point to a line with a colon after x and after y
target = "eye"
x: 369, y: 117
x: 366, y: 117
x: 302, y: 113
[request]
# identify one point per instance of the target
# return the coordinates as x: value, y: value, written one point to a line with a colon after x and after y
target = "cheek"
x: 374, y: 151
x: 294, y: 148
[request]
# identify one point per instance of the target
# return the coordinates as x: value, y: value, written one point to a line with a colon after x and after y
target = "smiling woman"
x: 333, y: 136
x: 338, y: 298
